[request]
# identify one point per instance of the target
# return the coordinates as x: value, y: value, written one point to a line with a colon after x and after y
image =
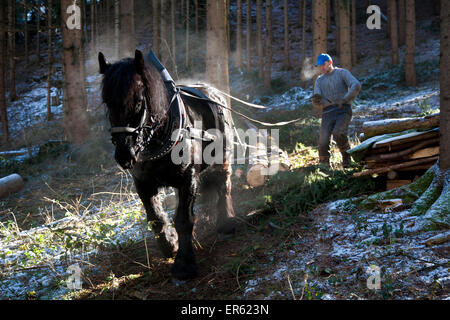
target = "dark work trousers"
x: 335, y: 121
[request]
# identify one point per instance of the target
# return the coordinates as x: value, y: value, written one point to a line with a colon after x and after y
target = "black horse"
x: 146, y: 110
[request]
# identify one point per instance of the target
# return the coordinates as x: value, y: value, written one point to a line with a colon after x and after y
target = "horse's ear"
x: 104, y: 65
x: 139, y: 62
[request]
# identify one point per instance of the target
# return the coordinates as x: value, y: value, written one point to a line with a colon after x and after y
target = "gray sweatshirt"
x: 339, y: 86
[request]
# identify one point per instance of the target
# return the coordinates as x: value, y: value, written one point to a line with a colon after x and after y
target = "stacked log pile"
x: 405, y: 155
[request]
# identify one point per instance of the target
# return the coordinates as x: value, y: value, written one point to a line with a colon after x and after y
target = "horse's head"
x: 128, y: 91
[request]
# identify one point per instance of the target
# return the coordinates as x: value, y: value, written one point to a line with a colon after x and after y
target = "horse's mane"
x: 120, y: 84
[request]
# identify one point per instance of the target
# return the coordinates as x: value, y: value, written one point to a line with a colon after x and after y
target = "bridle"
x: 175, y: 121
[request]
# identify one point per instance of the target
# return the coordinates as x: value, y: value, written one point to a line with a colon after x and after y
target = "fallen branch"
x: 403, y: 153
x: 395, y: 166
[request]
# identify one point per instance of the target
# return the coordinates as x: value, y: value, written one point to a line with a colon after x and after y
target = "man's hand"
x: 317, y: 99
x: 318, y: 105
x: 341, y: 103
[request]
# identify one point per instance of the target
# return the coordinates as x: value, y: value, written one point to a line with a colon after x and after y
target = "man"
x: 334, y: 92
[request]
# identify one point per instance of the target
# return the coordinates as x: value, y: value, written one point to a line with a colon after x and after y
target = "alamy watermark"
x: 74, y: 19
x: 74, y: 281
x: 374, y: 280
x: 374, y: 20
x: 242, y: 147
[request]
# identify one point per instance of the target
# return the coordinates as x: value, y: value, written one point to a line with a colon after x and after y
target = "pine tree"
x: 287, y: 59
x: 344, y: 35
x: 259, y: 38
x: 269, y: 39
x: 127, y: 28
x: 239, y: 34
x: 319, y: 20
x: 444, y: 161
x: 3, y: 107
x: 354, y: 53
x: 394, y: 38
x: 410, y: 72
x: 75, y: 115
x: 12, y: 49
x: 249, y: 34
x: 217, y: 45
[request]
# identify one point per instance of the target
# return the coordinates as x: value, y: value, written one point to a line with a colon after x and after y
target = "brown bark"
x: 50, y: 59
x: 249, y: 34
x: 217, y: 45
x: 375, y: 128
x: 336, y: 21
x: 38, y: 31
x: 269, y: 39
x: 444, y: 162
x: 92, y: 13
x: 25, y: 30
x: 354, y: 53
x: 410, y: 72
x: 174, y: 43
x: 395, y: 166
x: 287, y: 59
x: 259, y: 38
x: 344, y: 35
x: 117, y: 29
x: 127, y: 28
x: 304, y: 34
x: 3, y: 107
x: 394, y: 38
x: 196, y: 17
x: 319, y: 19
x: 300, y: 13
x: 12, y: 50
x: 155, y: 30
x: 403, y: 153
x: 401, y: 22
x: 187, y: 58
x: 239, y: 34
x: 75, y: 115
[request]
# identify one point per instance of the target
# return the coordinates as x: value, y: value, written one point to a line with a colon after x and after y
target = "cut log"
x: 402, y: 153
x: 424, y: 153
x: 375, y: 128
x: 418, y: 168
x: 395, y: 166
x: 392, y: 175
x: 10, y: 184
x: 406, y: 138
x: 440, y: 238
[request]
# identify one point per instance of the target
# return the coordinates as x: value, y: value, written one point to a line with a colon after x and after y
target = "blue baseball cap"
x: 322, y: 58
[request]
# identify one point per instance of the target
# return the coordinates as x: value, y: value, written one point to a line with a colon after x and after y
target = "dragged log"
x: 10, y: 184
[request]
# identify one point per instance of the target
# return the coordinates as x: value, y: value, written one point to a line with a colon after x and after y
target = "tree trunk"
x: 25, y: 30
x: 75, y: 116
x: 388, y: 22
x: 259, y: 38
x: 155, y: 17
x: 402, y: 22
x: 187, y: 62
x: 12, y: 50
x: 338, y: 27
x: 239, y: 35
x: 117, y: 29
x: 304, y: 35
x: 217, y: 45
x: 444, y: 162
x: 38, y: 31
x: 354, y: 53
x: 269, y: 39
x: 92, y: 13
x: 300, y: 13
x: 3, y: 108
x: 319, y: 18
x: 50, y: 60
x: 344, y: 35
x: 249, y: 34
x: 394, y: 38
x: 174, y: 42
x: 410, y: 71
x: 196, y: 17
x: 127, y: 29
x: 287, y: 59
x: 328, y: 16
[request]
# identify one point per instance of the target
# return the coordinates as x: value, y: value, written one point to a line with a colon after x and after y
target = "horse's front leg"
x: 185, y: 267
x: 165, y: 234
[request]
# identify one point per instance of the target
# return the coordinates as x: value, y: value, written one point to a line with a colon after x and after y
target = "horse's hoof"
x: 227, y: 228
x: 184, y: 271
x: 167, y: 249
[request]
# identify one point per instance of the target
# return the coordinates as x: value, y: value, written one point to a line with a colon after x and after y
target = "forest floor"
x: 300, y: 241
